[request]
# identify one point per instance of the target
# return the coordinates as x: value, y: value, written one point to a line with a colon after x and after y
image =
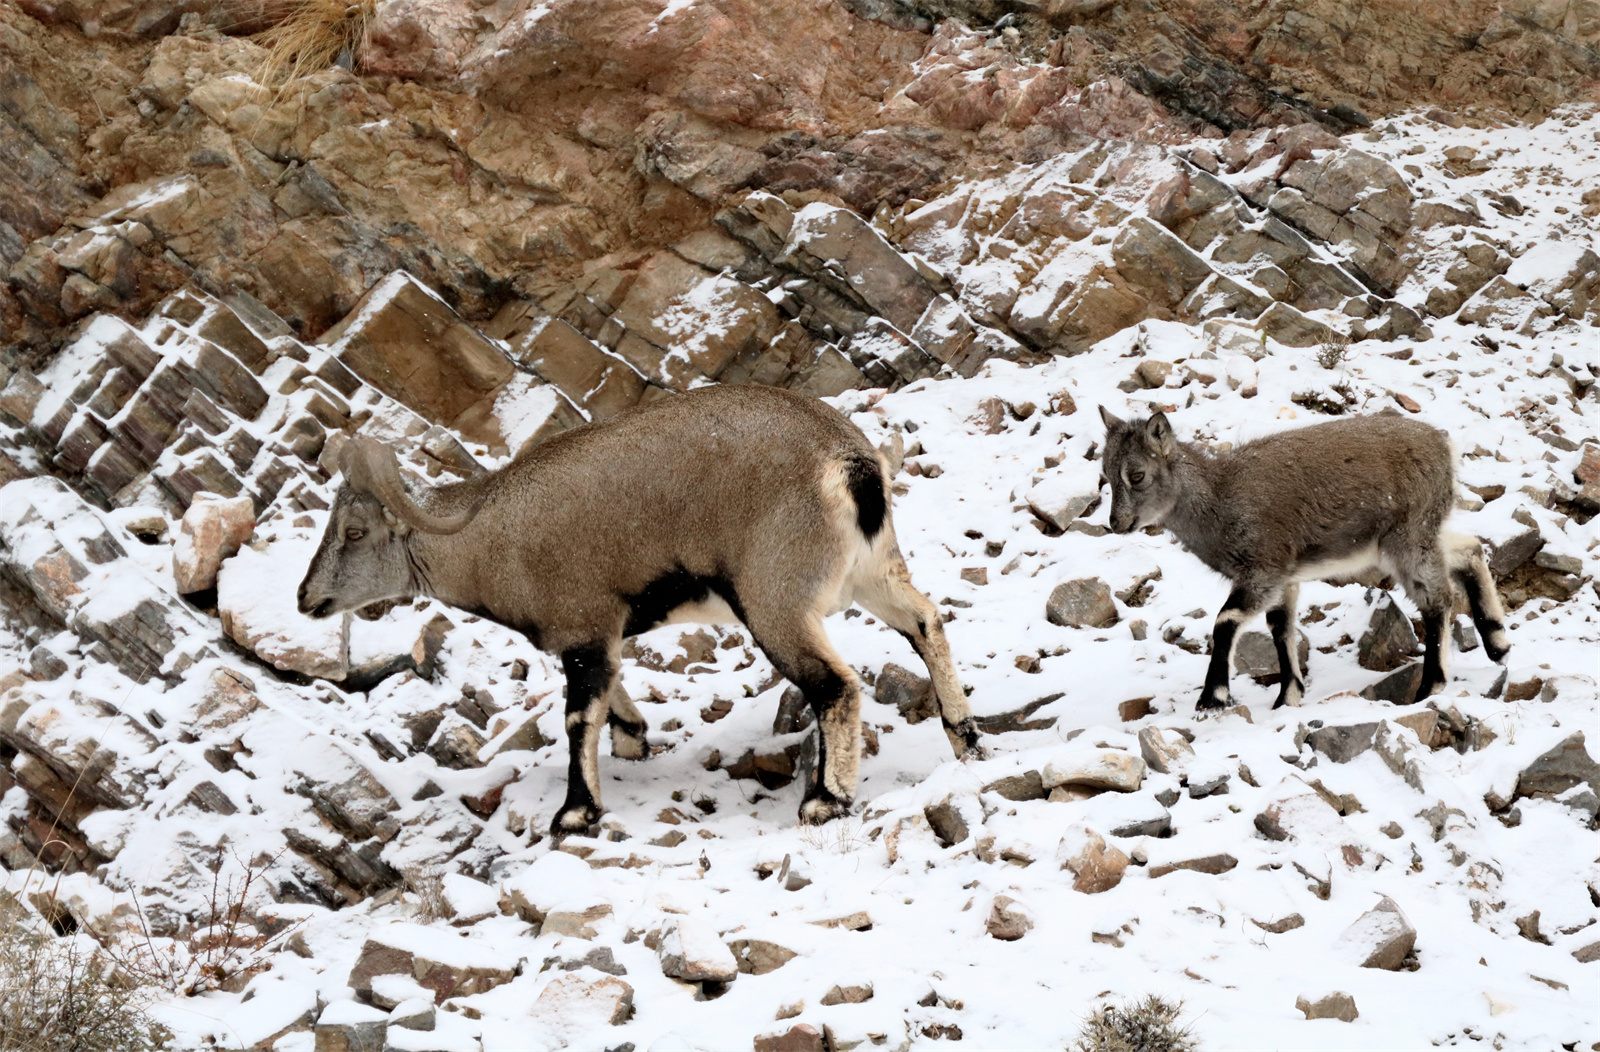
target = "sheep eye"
x: 1135, y: 477
x: 354, y: 535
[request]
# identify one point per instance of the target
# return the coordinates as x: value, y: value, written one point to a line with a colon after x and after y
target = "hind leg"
x: 1470, y: 572
x: 800, y: 650
x: 895, y: 601
x: 1429, y: 588
x: 627, y: 725
x: 1291, y: 677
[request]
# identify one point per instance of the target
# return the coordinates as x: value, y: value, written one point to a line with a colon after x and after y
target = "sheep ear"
x: 1158, y: 435
x: 1110, y: 419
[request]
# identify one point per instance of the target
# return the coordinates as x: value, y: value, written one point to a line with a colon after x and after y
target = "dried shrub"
x: 311, y: 36
x: 1136, y: 1026
x: 65, y: 994
x: 224, y: 949
x: 1333, y: 351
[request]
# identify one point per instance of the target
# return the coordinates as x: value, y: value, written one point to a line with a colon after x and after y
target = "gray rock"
x: 1508, y: 555
x: 758, y: 957
x: 911, y: 695
x: 793, y: 712
x: 1389, y: 640
x: 1398, y: 687
x: 1029, y: 785
x: 1343, y: 744
x: 1380, y: 937
x: 946, y: 822
x: 1084, y: 603
x: 1256, y: 655
x: 1560, y: 770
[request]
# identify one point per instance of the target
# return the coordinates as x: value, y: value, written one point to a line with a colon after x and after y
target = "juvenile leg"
x: 627, y: 725
x: 590, y: 671
x: 1244, y: 602
x: 1430, y: 590
x: 1291, y: 677
x: 1470, y: 572
x: 801, y: 652
x: 897, y: 603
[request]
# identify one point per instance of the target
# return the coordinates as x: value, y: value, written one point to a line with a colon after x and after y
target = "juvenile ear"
x: 1111, y: 421
x: 1158, y: 435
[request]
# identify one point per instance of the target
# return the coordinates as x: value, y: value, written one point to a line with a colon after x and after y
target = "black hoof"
x: 583, y: 820
x: 821, y: 809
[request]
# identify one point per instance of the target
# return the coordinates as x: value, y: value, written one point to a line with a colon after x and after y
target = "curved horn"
x: 371, y: 467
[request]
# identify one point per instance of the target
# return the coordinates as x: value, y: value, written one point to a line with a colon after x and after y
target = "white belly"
x: 1356, y: 562
x: 713, y: 610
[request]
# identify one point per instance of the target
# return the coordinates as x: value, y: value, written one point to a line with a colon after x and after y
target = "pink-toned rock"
x: 213, y: 529
x: 571, y: 1000
x: 1095, y: 867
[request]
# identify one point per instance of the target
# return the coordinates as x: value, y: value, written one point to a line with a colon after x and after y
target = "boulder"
x: 947, y: 822
x: 1560, y: 770
x: 1502, y: 305
x: 1379, y: 938
x: 257, y: 608
x: 758, y: 956
x: 1210, y: 864
x: 692, y: 950
x: 1343, y: 744
x: 802, y: 1037
x: 573, y: 1001
x: 574, y: 920
x: 408, y: 343
x: 847, y: 994
x: 1293, y: 328
x: 1083, y: 603
x: 345, y: 1026
x: 1100, y: 769
x: 213, y: 529
x: 1256, y: 655
x: 911, y: 695
x: 1094, y: 866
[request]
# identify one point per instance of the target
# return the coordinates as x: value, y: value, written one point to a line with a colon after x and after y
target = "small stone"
x: 1392, y: 830
x: 671, y: 838
x: 1165, y: 752
x: 794, y: 714
x: 1152, y: 373
x: 1389, y: 640
x: 758, y: 957
x: 1337, y: 1005
x: 975, y: 575
x: 578, y: 923
x: 1587, y: 954
x: 1398, y: 687
x: 1102, y: 769
x: 692, y: 950
x: 946, y: 822
x: 1083, y: 603
x: 345, y: 1026
x: 1379, y: 938
x: 1008, y: 919
x: 911, y: 695
x: 1281, y: 925
x: 414, y: 1014
x: 803, y: 1037
x: 1256, y: 655
x: 1094, y: 866
x: 860, y: 920
x: 1209, y: 864
x: 1135, y: 708
x: 1029, y: 785
x: 1406, y: 402
x: 1559, y: 770
x: 847, y: 995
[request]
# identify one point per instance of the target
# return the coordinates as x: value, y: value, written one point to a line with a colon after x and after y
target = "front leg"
x: 590, y: 671
x: 1291, y: 677
x: 1243, y: 604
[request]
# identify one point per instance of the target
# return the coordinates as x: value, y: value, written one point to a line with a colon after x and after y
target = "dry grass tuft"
x: 1137, y: 1026
x: 312, y: 36
x: 427, y: 884
x: 64, y: 994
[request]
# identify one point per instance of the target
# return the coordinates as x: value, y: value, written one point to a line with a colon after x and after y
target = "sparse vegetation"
x: 312, y: 36
x: 224, y: 946
x: 1333, y: 351
x: 426, y: 883
x: 64, y: 994
x: 1149, y: 1025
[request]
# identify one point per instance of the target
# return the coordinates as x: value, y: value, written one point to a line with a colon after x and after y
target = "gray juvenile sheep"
x: 1330, y: 500
x: 727, y: 503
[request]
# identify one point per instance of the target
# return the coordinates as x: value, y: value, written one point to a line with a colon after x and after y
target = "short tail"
x: 863, y: 474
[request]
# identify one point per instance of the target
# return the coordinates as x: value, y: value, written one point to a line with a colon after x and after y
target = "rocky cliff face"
x: 493, y: 221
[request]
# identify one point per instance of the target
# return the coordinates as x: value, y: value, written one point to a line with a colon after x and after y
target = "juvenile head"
x: 363, y: 557
x: 1138, y: 463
